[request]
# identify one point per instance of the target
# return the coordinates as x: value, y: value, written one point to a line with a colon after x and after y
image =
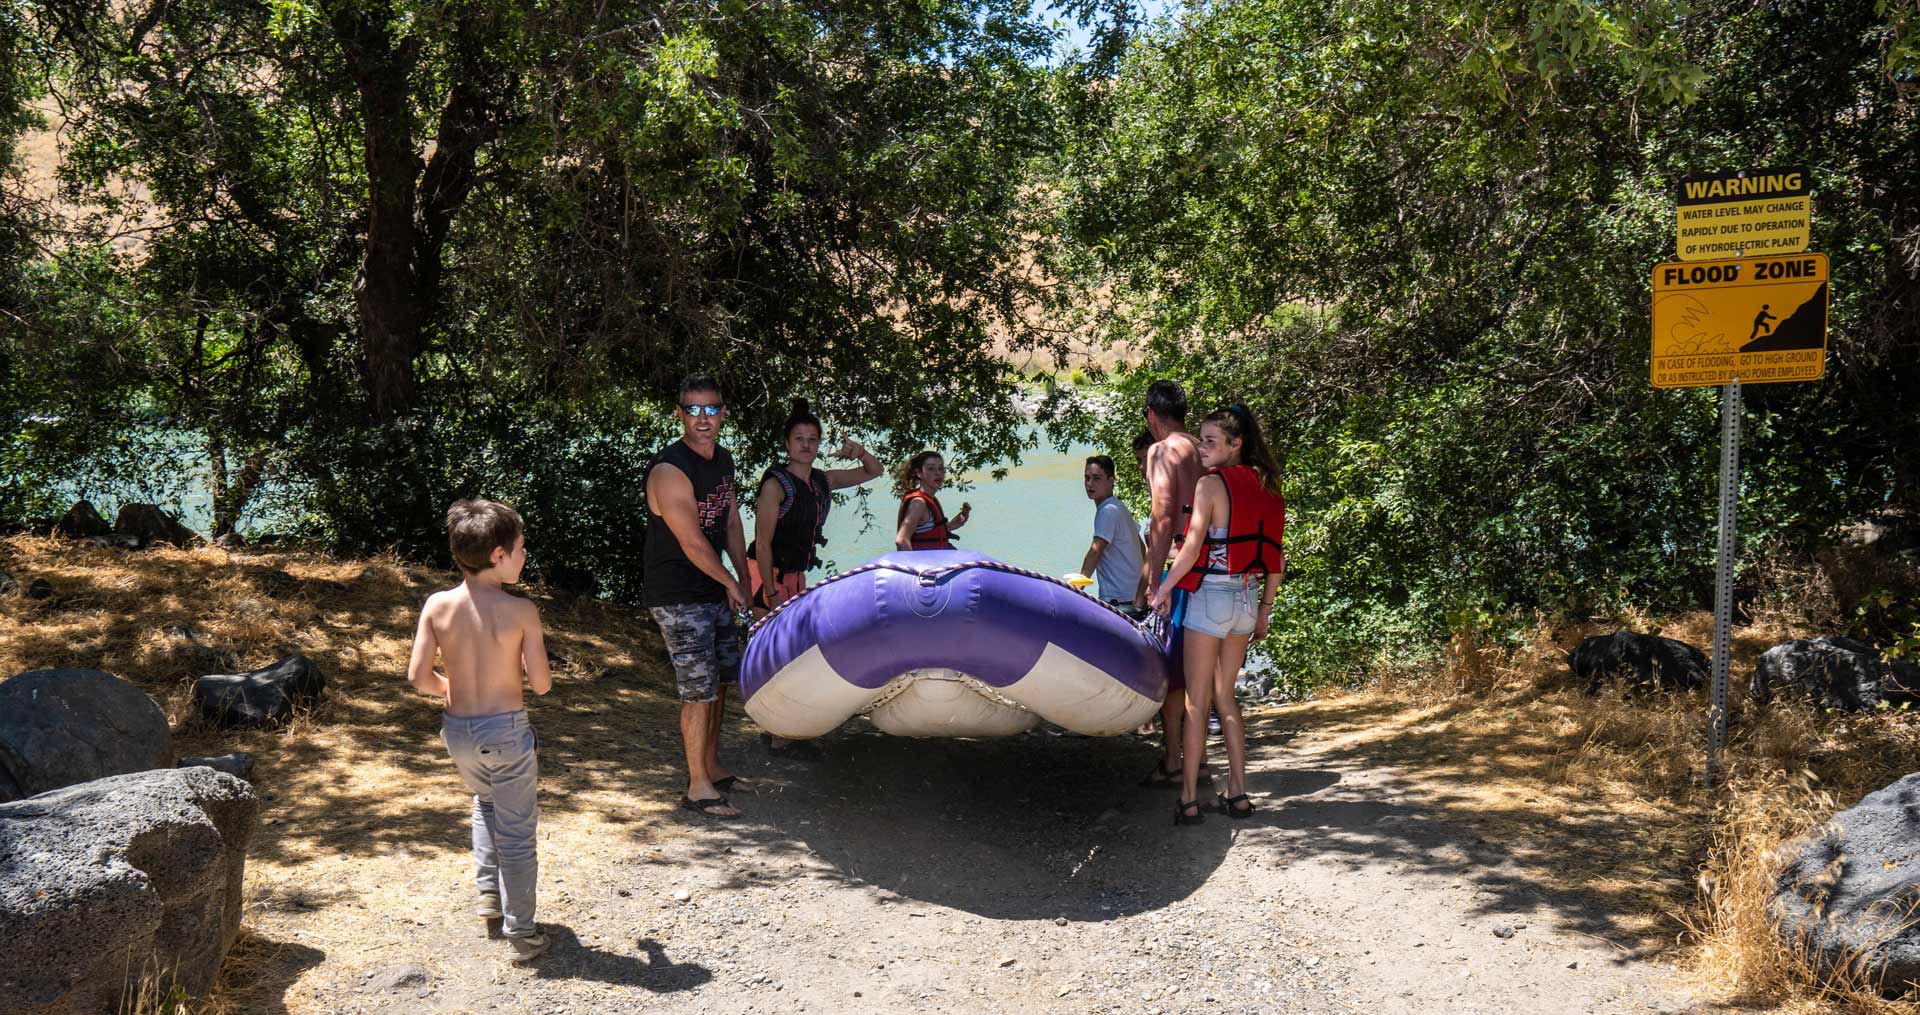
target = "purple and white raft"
x: 949, y: 643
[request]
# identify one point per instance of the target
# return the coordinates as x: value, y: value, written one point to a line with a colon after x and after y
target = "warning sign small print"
x: 1760, y: 319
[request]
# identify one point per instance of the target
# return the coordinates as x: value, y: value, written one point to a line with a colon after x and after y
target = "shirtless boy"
x: 486, y: 639
x: 1173, y: 469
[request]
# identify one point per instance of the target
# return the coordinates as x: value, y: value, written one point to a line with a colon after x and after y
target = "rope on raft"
x: 1150, y: 628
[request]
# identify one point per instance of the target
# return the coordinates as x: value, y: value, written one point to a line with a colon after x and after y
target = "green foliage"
x: 372, y: 254
x: 1416, y: 239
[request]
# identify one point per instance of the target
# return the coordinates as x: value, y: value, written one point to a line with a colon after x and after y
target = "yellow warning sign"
x: 1761, y: 319
x: 1754, y: 212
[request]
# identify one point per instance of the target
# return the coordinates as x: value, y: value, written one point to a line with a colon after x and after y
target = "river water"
x: 1037, y: 516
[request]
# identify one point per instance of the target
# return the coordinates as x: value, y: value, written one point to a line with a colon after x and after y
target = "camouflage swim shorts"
x: 703, y: 640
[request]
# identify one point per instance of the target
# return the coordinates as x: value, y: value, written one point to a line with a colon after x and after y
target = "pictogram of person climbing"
x: 1762, y: 322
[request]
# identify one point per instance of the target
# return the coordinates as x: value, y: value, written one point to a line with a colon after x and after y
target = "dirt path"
x: 1016, y: 875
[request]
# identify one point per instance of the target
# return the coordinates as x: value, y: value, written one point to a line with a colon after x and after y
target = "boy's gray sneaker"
x: 528, y: 947
x: 489, y: 906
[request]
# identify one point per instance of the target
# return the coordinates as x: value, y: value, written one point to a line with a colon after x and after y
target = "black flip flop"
x: 1225, y: 805
x: 700, y: 807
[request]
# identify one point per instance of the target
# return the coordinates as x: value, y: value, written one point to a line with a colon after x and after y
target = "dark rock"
x: 151, y: 525
x: 231, y: 541
x: 1836, y: 673
x: 259, y: 698
x: 1848, y: 894
x: 82, y: 521
x: 40, y: 588
x: 109, y: 879
x: 8, y: 584
x: 1647, y: 662
x: 60, y: 727
x: 239, y: 764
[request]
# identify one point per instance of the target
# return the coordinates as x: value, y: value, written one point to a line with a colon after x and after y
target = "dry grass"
x: 1706, y: 862
x: 1597, y: 795
x: 358, y: 794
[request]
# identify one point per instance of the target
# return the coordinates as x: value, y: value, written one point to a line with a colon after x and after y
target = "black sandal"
x: 1181, y: 817
x: 1226, y: 805
x: 1160, y: 778
x: 727, y: 784
x: 701, y: 807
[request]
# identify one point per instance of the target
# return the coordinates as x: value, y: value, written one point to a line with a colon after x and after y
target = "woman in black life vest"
x: 922, y: 525
x: 1239, y: 520
x: 790, y: 511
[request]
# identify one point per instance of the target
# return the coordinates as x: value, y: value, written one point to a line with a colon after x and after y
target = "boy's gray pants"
x: 495, y: 755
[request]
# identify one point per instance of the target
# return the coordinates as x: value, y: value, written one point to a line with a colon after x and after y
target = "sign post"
x: 1723, y: 576
x: 1723, y: 318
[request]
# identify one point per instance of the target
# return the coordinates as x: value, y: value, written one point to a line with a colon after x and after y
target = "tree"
x: 1417, y: 237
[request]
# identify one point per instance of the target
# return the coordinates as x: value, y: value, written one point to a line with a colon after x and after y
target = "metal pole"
x: 1723, y: 582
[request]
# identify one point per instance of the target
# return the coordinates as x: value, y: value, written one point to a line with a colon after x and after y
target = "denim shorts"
x: 1223, y: 605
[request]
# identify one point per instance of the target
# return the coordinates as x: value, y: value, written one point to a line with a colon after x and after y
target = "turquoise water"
x: 1037, y: 517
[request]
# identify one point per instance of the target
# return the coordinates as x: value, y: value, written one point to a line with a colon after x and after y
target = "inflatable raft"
x: 949, y: 643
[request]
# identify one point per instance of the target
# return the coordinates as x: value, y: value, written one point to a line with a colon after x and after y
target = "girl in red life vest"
x: 922, y: 525
x: 790, y: 511
x: 1232, y: 549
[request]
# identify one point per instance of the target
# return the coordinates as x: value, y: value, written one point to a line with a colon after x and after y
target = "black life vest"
x: 1256, y: 527
x: 802, y: 520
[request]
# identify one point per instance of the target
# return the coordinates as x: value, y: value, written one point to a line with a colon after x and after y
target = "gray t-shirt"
x: 1119, y: 567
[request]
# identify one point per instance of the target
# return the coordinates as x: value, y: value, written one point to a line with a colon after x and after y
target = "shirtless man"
x: 487, y: 640
x: 1172, y: 470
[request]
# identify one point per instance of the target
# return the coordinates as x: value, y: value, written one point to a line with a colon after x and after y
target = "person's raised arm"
x: 533, y: 649
x: 870, y: 467
x: 960, y: 517
x: 915, y: 514
x: 671, y: 494
x: 766, y: 517
x: 1162, y: 506
x: 1195, y: 543
x: 420, y: 671
x: 1092, y: 559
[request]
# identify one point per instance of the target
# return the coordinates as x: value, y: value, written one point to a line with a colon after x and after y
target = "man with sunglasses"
x: 692, y: 514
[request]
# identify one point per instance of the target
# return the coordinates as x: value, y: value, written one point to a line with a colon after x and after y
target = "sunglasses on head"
x: 704, y: 410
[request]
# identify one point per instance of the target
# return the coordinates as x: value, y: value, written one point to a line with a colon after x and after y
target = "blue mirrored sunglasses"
x: 704, y: 410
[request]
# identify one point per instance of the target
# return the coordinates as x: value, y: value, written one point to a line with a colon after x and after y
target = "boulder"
x: 40, y: 588
x: 82, y: 521
x: 8, y: 584
x: 1848, y: 894
x: 259, y: 698
x: 60, y: 727
x: 1647, y: 661
x: 239, y: 764
x: 231, y: 541
x: 1836, y: 673
x: 150, y: 525
x: 107, y: 881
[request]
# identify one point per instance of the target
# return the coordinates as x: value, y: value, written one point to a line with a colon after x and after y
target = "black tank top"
x: 670, y: 579
x: 803, y: 514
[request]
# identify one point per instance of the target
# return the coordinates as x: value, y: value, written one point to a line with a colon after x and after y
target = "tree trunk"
x: 386, y: 290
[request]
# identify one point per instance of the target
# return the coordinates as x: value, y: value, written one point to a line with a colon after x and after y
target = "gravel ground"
x: 1016, y: 875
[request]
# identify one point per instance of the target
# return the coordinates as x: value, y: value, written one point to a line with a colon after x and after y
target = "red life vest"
x: 1256, y: 525
x: 935, y: 538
